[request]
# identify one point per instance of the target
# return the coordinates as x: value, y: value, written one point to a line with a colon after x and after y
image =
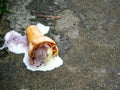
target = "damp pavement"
x: 88, y: 36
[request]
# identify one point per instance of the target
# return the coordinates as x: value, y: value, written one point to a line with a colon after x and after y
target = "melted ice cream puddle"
x: 18, y: 44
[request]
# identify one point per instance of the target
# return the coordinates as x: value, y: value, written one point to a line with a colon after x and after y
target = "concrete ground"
x: 88, y: 36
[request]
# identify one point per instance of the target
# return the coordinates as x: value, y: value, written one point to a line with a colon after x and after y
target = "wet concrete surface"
x: 88, y: 37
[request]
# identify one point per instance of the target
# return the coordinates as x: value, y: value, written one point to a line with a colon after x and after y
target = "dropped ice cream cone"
x: 40, y: 52
x: 41, y: 48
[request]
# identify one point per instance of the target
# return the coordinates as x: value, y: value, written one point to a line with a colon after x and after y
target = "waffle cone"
x: 33, y: 32
x: 36, y: 38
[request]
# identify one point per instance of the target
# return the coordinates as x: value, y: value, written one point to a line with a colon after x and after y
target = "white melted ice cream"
x: 18, y: 44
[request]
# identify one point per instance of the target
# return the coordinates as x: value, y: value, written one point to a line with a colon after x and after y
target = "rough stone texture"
x: 69, y: 24
x: 20, y: 16
x: 92, y: 61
